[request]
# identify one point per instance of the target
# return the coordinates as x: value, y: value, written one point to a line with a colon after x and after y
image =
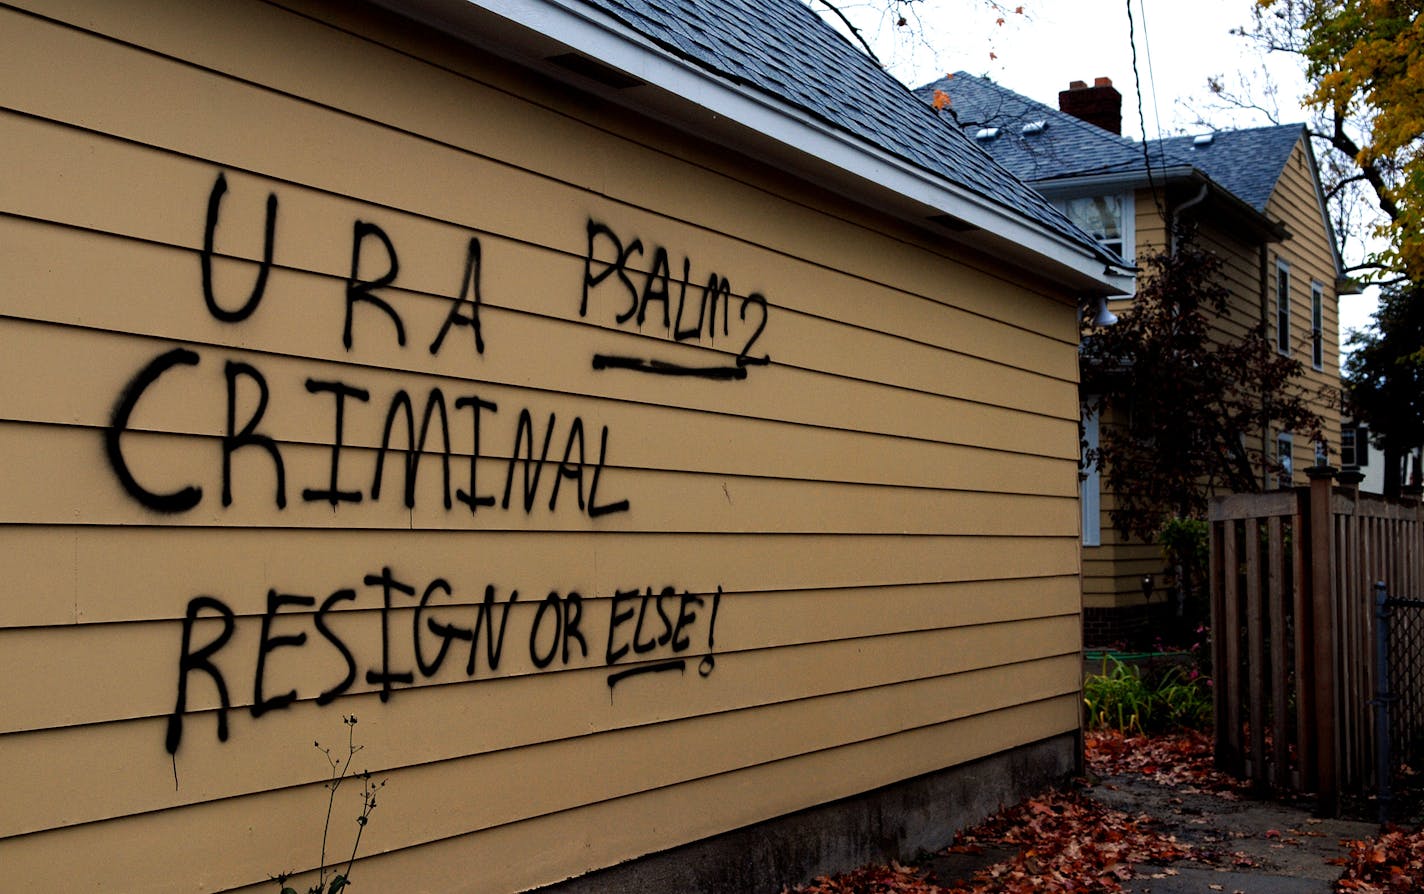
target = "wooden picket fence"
x: 1293, y: 576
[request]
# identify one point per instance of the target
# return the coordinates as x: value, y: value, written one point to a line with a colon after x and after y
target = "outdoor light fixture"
x: 1104, y: 317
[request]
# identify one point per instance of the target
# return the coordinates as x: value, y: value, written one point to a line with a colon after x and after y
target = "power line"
x: 1151, y: 73
x: 1141, y: 116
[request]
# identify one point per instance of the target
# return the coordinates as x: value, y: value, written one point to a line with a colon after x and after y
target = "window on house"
x: 1284, y: 464
x: 1090, y: 483
x: 1354, y: 447
x: 1109, y: 219
x: 1317, y: 329
x: 1282, y: 306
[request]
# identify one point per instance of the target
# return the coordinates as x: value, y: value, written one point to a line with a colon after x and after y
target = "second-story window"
x: 1106, y: 218
x: 1317, y: 328
x: 1282, y: 306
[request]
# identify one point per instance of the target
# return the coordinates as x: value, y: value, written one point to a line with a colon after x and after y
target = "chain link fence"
x: 1401, y: 706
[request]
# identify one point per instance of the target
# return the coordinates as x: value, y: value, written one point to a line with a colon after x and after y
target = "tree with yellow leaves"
x: 1365, y: 60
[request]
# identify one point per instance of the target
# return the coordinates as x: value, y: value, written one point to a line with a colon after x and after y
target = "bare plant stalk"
x: 339, y: 769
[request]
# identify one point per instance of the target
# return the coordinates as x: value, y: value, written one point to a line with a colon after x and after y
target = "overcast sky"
x: 1180, y: 44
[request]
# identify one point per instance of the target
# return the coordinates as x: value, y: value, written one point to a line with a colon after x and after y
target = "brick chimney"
x: 1099, y: 104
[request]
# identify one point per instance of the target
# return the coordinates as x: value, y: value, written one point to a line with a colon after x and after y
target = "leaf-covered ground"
x: 1392, y: 863
x: 1062, y: 841
x: 1068, y: 841
x: 1184, y: 761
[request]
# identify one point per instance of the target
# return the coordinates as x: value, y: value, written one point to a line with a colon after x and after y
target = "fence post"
x: 1323, y: 636
x: 1228, y: 671
x: 1303, y: 652
x: 1383, y: 766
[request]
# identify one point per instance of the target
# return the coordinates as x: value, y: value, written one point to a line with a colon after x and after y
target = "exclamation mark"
x: 710, y: 662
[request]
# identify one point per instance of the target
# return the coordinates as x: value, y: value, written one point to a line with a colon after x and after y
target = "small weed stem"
x: 340, y: 771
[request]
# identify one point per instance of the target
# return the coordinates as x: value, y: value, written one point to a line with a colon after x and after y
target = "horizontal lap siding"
x: 1241, y: 275
x: 872, y: 540
x: 1296, y: 202
x: 1113, y: 572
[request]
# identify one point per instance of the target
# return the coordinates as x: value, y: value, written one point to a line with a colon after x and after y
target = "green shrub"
x: 1118, y: 699
x: 1185, y: 545
x: 1123, y: 699
x: 1183, y: 701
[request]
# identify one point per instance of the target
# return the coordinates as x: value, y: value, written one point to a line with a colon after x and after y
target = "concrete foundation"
x: 898, y: 822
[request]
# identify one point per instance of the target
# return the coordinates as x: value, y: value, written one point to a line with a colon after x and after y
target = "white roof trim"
x: 1090, y: 184
x: 609, y: 41
x: 1321, y: 204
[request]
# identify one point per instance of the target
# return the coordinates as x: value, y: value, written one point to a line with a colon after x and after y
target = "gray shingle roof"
x: 1246, y: 162
x: 782, y: 48
x: 1066, y: 147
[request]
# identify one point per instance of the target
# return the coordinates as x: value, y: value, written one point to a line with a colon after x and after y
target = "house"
x: 1256, y: 198
x: 1359, y: 456
x: 651, y: 422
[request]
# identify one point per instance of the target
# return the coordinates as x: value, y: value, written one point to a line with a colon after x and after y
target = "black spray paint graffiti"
x: 647, y: 631
x: 655, y: 627
x: 368, y: 239
x: 464, y: 311
x: 608, y: 260
x: 525, y: 481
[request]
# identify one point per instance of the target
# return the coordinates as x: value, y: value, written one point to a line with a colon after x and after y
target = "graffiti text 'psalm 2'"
x: 698, y: 313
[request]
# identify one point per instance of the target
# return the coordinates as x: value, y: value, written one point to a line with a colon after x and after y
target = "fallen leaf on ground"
x: 1070, y: 843
x: 1184, y: 761
x: 1391, y: 862
x: 1065, y: 842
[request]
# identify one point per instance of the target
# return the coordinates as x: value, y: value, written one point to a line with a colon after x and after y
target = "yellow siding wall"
x: 1309, y: 254
x: 1113, y: 572
x: 873, y: 538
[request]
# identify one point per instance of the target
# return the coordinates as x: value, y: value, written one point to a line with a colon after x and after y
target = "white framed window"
x: 1285, y: 464
x: 1108, y: 218
x: 1090, y: 483
x: 1317, y: 326
x: 1283, y: 306
x: 1354, y: 447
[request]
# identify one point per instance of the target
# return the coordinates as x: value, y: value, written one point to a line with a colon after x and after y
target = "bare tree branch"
x: 1392, y: 281
x: 1368, y: 169
x: 1243, y: 96
x: 1340, y: 185
x: 855, y: 32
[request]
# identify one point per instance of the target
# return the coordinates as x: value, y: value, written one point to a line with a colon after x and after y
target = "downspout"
x: 1177, y: 214
x: 1263, y: 287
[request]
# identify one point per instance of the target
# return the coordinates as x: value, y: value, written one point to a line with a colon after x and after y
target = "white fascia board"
x: 602, y: 37
x: 1322, y: 205
x: 1096, y: 184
